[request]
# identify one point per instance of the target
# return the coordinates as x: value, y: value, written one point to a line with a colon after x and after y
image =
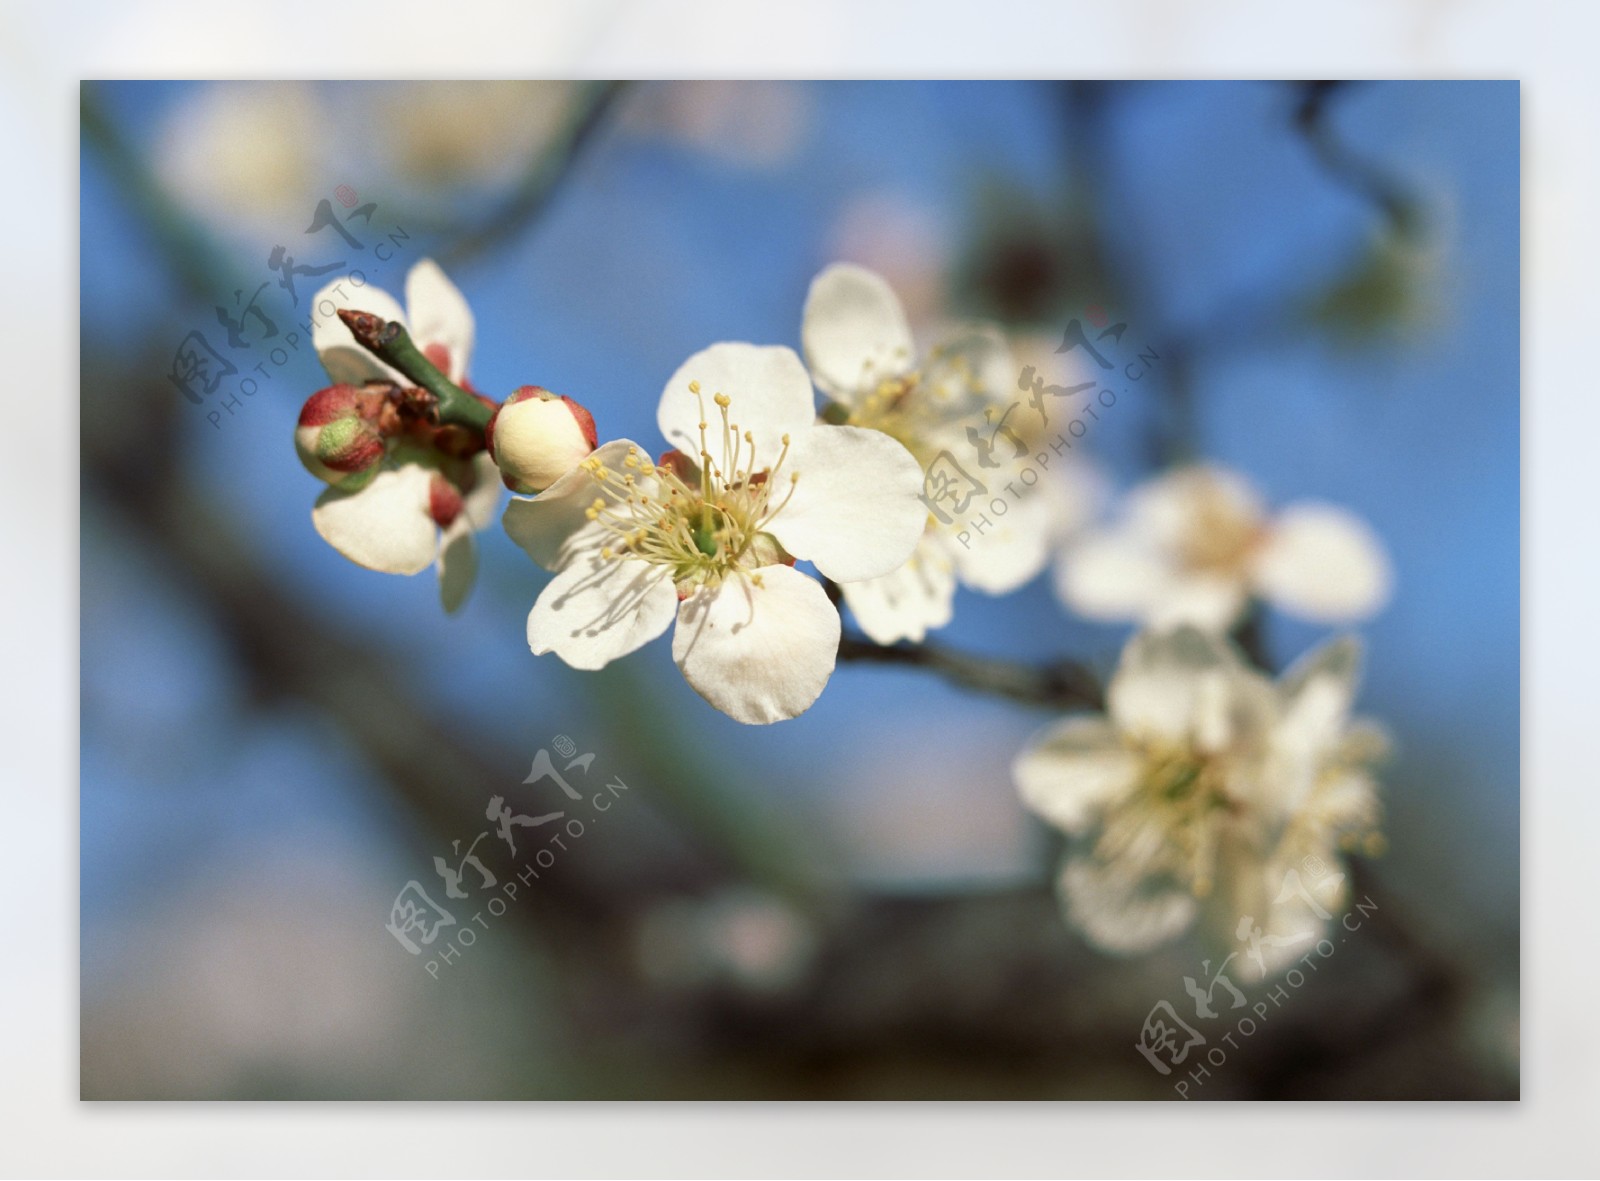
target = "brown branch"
x: 1062, y: 685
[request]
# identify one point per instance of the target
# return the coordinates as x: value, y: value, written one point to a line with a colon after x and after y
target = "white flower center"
x: 704, y: 522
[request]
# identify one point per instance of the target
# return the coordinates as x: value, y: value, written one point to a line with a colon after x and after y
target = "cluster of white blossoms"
x: 405, y: 491
x: 1203, y: 790
x: 411, y: 497
x: 1190, y: 802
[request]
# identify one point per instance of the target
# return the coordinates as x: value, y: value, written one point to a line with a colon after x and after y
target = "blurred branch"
x: 1345, y: 167
x: 1060, y: 685
x: 1063, y: 685
x: 192, y: 253
x: 543, y: 181
x: 1175, y: 429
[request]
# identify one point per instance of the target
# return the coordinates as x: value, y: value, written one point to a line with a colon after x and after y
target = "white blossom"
x: 708, y: 535
x: 1208, y: 794
x: 1196, y: 544
x: 424, y: 505
x: 946, y: 408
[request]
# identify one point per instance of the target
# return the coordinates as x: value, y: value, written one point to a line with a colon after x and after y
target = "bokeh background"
x: 851, y: 904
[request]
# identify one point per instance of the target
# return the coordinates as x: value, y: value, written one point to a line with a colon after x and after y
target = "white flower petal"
x: 854, y: 332
x: 1275, y: 921
x: 1077, y: 491
x: 1008, y: 550
x: 1162, y: 688
x: 1074, y: 769
x: 1318, y: 692
x: 969, y: 369
x: 856, y: 510
x: 598, y: 609
x: 906, y: 604
x: 439, y: 315
x: 1112, y: 577
x: 1324, y: 564
x: 758, y: 653
x: 458, y: 564
x: 1346, y: 801
x: 1210, y: 602
x: 1123, y: 910
x: 338, y: 351
x: 385, y: 526
x: 553, y: 526
x: 479, y: 504
x: 1174, y: 508
x: 769, y: 391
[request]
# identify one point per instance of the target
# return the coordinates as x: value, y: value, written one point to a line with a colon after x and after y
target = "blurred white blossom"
x: 424, y: 504
x: 1208, y: 794
x: 709, y: 535
x: 760, y: 126
x: 1196, y: 544
x: 947, y: 410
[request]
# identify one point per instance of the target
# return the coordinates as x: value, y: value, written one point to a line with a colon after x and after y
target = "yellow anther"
x: 722, y: 400
x: 785, y: 440
x: 694, y: 387
x: 607, y: 553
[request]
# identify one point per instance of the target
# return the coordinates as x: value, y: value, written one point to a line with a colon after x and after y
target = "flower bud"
x: 537, y: 437
x: 445, y: 501
x: 337, y: 436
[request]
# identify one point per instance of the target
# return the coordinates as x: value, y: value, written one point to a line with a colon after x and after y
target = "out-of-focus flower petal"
x: 1111, y: 577
x: 1121, y: 909
x: 1007, y: 551
x: 1210, y: 602
x: 854, y: 332
x: 1158, y: 688
x: 907, y: 603
x: 1072, y: 770
x: 483, y: 497
x: 1194, y: 501
x: 458, y: 563
x: 971, y: 368
x: 1322, y: 563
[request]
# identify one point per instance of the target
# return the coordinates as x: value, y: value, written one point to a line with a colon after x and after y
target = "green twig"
x: 389, y: 341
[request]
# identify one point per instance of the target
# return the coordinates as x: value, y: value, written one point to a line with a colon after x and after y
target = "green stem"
x: 389, y: 341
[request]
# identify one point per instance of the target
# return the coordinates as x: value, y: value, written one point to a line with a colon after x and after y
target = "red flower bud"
x: 338, y: 437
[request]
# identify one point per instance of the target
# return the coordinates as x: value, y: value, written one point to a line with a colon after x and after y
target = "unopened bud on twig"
x: 536, y: 437
x: 338, y: 437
